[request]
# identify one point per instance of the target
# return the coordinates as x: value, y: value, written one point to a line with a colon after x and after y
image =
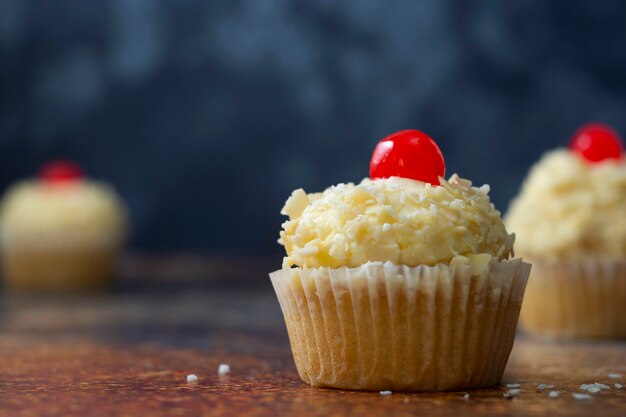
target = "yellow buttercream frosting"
x: 82, y: 211
x: 569, y: 208
x: 400, y: 220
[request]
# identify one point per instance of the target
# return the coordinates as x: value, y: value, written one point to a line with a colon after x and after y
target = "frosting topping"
x: 569, y: 208
x: 400, y: 220
x: 77, y: 209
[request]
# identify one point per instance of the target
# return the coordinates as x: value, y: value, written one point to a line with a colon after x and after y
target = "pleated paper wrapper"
x: 581, y: 298
x: 381, y: 326
x: 58, y: 270
x: 55, y: 263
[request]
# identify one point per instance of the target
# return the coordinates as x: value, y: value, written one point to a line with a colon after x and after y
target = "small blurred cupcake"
x: 60, y: 232
x: 570, y: 221
x: 402, y: 282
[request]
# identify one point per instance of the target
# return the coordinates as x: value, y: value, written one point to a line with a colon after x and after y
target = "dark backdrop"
x: 206, y: 114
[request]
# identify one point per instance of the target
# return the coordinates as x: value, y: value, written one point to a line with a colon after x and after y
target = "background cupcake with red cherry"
x: 570, y: 220
x: 61, y: 231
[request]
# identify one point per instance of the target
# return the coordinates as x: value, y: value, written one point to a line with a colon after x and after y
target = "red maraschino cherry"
x: 60, y: 171
x: 408, y: 154
x: 596, y: 142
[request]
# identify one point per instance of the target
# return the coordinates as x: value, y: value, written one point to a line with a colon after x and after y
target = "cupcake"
x: 570, y: 220
x: 60, y: 232
x: 402, y: 282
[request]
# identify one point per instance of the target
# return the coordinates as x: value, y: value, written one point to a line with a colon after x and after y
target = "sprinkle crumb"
x: 516, y: 385
x: 223, y: 369
x: 618, y: 386
x: 466, y: 396
x: 192, y: 379
x: 512, y: 393
x: 386, y: 393
x: 594, y: 388
x: 553, y: 394
x: 580, y: 396
x: 615, y: 376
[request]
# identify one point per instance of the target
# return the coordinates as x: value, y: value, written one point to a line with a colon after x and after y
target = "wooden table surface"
x: 128, y: 354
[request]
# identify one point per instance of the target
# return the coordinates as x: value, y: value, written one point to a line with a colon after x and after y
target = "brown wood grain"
x: 128, y: 354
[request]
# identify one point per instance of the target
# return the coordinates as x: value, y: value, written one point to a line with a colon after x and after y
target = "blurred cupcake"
x: 60, y: 232
x: 399, y: 283
x: 570, y: 220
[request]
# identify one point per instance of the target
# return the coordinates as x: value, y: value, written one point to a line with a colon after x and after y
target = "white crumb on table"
x: 223, y: 369
x: 385, y: 393
x: 466, y: 396
x: 580, y: 396
x: 553, y: 394
x: 516, y: 385
x: 618, y: 386
x: 192, y: 379
x: 512, y: 393
x: 615, y: 376
x: 545, y: 386
x: 594, y: 388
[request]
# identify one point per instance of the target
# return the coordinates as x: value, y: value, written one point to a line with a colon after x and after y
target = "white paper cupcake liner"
x: 58, y: 269
x: 578, y: 298
x: 389, y: 327
x: 56, y: 240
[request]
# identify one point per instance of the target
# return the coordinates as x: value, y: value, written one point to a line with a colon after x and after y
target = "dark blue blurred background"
x: 206, y: 114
